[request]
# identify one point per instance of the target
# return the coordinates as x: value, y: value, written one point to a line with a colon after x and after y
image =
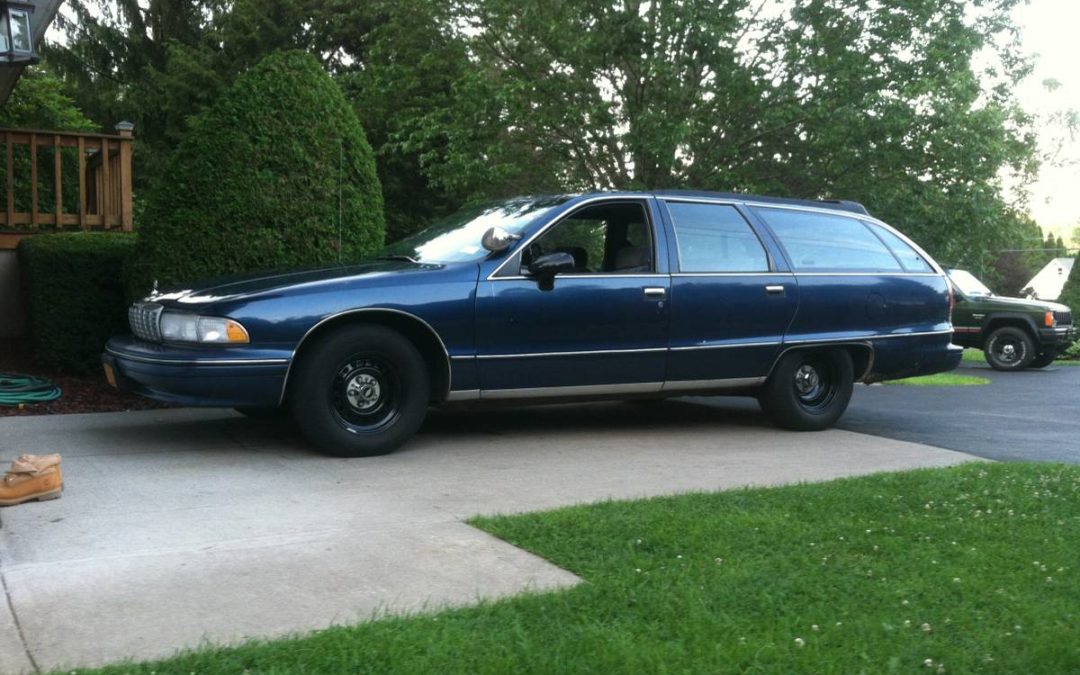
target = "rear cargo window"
x: 715, y: 238
x: 909, y: 257
x: 822, y: 242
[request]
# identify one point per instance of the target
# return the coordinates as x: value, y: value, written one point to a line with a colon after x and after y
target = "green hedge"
x: 277, y: 173
x: 1070, y: 295
x: 74, y: 295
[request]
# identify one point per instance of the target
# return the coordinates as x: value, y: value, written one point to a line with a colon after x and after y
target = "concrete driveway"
x: 180, y: 527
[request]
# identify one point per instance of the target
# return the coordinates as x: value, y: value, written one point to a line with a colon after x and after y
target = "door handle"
x: 775, y: 289
x: 655, y: 293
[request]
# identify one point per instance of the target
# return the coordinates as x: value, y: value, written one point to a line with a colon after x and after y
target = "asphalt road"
x: 1030, y: 415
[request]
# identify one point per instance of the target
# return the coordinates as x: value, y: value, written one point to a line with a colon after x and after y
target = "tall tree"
x: 878, y: 102
x: 161, y: 63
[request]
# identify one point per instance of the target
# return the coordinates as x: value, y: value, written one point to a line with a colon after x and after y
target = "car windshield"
x: 457, y: 237
x: 968, y: 284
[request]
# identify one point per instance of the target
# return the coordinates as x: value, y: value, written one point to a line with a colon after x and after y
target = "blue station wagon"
x: 557, y: 298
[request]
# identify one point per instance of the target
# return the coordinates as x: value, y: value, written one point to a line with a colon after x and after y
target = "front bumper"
x: 1059, y: 336
x: 227, y: 377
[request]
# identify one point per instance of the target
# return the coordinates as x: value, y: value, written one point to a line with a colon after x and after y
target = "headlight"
x: 208, y: 329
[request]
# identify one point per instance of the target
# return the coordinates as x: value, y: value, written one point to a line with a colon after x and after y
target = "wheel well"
x: 415, y: 330
x: 862, y: 355
x: 994, y: 324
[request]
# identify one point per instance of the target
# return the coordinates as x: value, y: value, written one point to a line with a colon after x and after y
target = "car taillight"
x: 952, y: 301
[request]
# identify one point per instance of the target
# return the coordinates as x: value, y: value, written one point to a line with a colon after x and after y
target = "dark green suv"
x: 1012, y: 332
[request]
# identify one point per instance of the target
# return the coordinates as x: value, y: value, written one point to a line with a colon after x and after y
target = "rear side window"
x: 715, y: 238
x: 822, y: 242
x: 909, y: 257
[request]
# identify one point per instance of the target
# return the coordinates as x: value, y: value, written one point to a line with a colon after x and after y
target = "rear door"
x: 732, y: 297
x: 856, y: 278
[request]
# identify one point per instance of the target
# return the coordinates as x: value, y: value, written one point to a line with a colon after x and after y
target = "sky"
x: 1048, y: 34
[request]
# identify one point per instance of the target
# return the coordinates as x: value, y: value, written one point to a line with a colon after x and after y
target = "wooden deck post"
x: 125, y: 129
x: 58, y: 182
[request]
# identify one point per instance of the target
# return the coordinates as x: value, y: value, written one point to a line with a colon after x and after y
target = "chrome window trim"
x: 196, y: 362
x: 642, y: 200
x: 732, y: 274
x: 633, y: 275
x: 866, y: 274
x: 331, y: 317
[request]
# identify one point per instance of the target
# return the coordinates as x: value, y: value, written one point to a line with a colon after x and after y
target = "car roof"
x: 832, y: 204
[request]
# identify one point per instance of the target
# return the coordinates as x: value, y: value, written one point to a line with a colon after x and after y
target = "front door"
x: 602, y: 327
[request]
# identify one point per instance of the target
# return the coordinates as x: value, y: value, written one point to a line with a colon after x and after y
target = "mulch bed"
x: 81, y: 393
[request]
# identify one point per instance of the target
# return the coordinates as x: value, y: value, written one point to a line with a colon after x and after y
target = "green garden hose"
x: 19, y: 389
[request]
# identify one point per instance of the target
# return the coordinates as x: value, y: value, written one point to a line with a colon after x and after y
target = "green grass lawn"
x: 969, y: 569
x: 941, y: 380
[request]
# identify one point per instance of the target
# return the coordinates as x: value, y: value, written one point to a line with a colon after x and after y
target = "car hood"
x: 1021, y: 303
x: 244, y: 286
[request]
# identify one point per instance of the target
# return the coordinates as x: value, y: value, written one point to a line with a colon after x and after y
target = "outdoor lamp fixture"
x: 16, y: 43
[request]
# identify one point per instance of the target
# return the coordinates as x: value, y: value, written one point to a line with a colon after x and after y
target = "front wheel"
x: 809, y: 390
x: 1043, y: 360
x: 1009, y: 348
x: 360, y: 391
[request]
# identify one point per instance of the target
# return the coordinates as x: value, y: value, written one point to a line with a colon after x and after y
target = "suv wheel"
x: 1009, y: 348
x: 809, y: 390
x: 1043, y: 359
x: 360, y: 391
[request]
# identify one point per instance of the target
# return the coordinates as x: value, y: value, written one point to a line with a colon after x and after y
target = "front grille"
x: 1063, y: 318
x: 145, y: 320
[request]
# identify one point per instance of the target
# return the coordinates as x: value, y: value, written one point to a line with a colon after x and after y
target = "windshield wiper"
x: 403, y: 258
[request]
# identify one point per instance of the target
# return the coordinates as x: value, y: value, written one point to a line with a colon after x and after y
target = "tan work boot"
x: 25, y: 481
x: 38, y: 462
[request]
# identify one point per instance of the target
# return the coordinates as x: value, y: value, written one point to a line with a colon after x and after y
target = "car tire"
x: 1009, y: 348
x: 360, y: 391
x: 1043, y: 359
x: 809, y: 390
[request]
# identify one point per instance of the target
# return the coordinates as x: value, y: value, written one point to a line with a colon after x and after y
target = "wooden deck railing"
x: 64, y: 180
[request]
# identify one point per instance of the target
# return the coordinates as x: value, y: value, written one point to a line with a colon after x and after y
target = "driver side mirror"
x: 545, y: 267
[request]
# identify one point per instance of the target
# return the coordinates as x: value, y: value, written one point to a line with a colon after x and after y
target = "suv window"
x: 822, y: 242
x: 606, y: 238
x: 909, y: 257
x: 715, y: 238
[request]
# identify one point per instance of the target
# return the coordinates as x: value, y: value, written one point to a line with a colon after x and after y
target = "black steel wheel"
x: 808, y: 390
x: 1009, y: 348
x: 359, y: 391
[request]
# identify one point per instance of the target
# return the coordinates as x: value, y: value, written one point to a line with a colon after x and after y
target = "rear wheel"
x: 1043, y: 359
x: 809, y: 390
x: 360, y: 391
x: 1009, y: 348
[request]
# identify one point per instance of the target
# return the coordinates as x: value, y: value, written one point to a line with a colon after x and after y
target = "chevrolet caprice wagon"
x: 559, y: 298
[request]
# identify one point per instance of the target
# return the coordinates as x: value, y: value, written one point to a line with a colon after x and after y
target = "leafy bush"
x: 277, y: 173
x: 74, y: 295
x: 1070, y: 295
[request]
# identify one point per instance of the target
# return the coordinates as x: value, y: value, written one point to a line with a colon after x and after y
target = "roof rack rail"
x: 853, y: 206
